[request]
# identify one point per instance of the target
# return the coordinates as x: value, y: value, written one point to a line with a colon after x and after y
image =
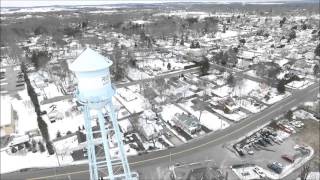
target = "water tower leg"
x: 90, y: 146
x: 105, y: 144
x: 119, y: 139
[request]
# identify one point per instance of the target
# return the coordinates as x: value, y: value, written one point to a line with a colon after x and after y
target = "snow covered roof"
x: 90, y: 60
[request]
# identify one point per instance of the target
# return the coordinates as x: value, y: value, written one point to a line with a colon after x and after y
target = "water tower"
x: 95, y: 93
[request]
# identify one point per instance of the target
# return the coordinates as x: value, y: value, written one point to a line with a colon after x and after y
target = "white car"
x: 297, y: 124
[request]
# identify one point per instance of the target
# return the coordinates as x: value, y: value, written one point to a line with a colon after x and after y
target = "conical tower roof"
x: 90, y: 60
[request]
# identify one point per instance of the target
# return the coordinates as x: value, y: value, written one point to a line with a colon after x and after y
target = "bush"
x: 242, y: 41
x: 40, y: 30
x: 13, y: 150
x: 27, y: 145
x: 169, y: 66
x: 58, y: 134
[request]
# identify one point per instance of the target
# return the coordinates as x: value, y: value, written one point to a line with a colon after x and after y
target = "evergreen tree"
x: 169, y: 66
x: 281, y: 86
x: 317, y: 50
x: 289, y: 115
x: 231, y: 80
x: 204, y: 66
x: 50, y: 148
x: 41, y: 147
x: 34, y: 146
x: 316, y: 69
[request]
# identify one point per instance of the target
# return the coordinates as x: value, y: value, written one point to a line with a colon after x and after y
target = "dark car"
x: 288, y: 158
x: 262, y: 142
x: 276, y: 167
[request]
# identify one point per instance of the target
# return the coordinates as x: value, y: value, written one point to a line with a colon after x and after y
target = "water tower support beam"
x: 90, y: 145
x: 105, y: 144
x: 118, y: 134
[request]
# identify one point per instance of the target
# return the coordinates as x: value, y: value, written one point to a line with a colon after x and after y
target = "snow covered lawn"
x: 168, y: 112
x: 27, y: 118
x: 15, y: 162
x: 212, y: 121
x: 62, y: 118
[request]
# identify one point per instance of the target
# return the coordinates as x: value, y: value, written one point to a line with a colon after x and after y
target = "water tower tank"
x: 92, y: 71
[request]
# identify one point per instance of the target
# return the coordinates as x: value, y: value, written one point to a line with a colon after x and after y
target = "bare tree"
x: 305, y: 171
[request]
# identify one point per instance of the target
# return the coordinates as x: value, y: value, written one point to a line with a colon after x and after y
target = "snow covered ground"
x: 17, y: 161
x: 207, y: 119
x: 299, y: 84
x: 212, y: 121
x: 246, y: 173
x: 135, y: 74
x: 62, y: 116
x: 302, y: 114
x: 169, y: 111
x: 27, y: 118
x: 271, y: 93
x: 185, y: 14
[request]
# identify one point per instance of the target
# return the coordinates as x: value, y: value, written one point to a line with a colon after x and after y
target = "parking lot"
x: 284, y: 150
x: 11, y: 80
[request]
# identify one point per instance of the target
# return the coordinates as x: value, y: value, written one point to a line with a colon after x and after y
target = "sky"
x: 31, y: 3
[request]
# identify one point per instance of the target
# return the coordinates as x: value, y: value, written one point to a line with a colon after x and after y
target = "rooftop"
x: 90, y: 60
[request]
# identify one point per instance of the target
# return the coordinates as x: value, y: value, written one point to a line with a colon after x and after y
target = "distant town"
x: 202, y: 90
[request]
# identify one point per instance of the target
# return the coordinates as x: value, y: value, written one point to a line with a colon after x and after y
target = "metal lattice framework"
x: 100, y: 104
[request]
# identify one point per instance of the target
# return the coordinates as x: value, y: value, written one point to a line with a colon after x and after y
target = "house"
x: 186, y: 122
x: 149, y: 129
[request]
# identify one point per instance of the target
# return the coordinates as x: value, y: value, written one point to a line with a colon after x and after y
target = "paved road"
x: 184, y: 152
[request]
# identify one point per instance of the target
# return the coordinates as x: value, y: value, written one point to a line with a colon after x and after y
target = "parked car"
x: 297, y: 124
x: 259, y: 172
x: 284, y: 128
x: 250, y: 152
x: 288, y: 158
x: 262, y: 142
x: 267, y: 140
x: 276, y: 167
